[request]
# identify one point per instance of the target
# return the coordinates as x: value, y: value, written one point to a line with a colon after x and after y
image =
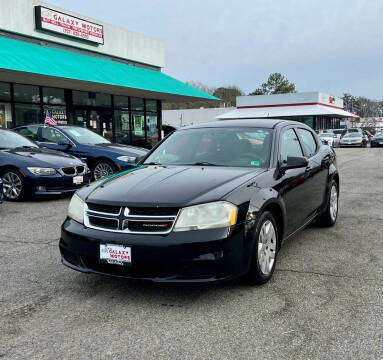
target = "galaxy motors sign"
x: 64, y: 24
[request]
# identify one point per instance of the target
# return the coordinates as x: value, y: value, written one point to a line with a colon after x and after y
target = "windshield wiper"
x: 152, y: 163
x: 27, y: 147
x: 203, y: 163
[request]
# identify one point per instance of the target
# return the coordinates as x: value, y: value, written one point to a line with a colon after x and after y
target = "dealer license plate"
x: 115, y: 254
x: 78, y: 180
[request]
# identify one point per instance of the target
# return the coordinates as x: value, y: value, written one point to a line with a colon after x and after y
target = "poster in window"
x: 138, y: 125
x: 2, y: 116
x: 125, y: 122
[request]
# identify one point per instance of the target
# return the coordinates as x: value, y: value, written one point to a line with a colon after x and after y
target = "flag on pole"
x: 49, y: 119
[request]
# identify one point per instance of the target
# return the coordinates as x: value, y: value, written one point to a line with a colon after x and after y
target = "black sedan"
x: 377, y: 139
x: 102, y: 157
x: 28, y: 170
x: 210, y: 203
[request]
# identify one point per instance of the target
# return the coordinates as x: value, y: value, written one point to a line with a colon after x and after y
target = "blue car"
x: 1, y: 192
x: 377, y: 139
x: 102, y: 157
x: 27, y: 169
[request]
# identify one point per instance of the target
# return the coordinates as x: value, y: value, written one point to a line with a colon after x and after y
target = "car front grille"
x: 73, y: 170
x: 131, y: 220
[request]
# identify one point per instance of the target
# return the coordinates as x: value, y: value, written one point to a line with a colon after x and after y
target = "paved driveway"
x: 324, y: 302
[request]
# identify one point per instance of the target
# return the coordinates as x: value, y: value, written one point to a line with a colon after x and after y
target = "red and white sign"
x: 58, y: 22
x: 115, y: 254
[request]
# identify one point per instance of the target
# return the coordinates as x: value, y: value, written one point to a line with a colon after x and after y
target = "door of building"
x: 98, y: 120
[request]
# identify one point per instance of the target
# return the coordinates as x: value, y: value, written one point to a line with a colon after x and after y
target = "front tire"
x: 14, y: 185
x: 103, y: 169
x: 329, y: 217
x: 264, y: 250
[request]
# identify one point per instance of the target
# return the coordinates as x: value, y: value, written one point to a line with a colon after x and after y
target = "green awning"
x: 28, y: 58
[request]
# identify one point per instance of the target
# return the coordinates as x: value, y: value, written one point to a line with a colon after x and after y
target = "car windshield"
x: 12, y: 140
x: 337, y: 132
x: 86, y: 137
x: 247, y: 147
x: 353, y: 134
x: 379, y: 134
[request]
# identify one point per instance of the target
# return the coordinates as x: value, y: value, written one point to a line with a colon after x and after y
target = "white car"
x: 329, y: 138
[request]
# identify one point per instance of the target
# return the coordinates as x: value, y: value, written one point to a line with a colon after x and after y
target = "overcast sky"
x: 334, y: 46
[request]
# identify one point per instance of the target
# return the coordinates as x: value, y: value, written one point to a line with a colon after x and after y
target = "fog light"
x: 41, y: 188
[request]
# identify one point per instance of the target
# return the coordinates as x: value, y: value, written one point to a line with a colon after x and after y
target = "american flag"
x: 49, y: 119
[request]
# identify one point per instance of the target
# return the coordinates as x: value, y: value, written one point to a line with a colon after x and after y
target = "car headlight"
x: 76, y: 209
x: 38, y: 171
x: 207, y: 216
x: 128, y: 159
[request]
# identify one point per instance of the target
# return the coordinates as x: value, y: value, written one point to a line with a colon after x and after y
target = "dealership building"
x: 83, y: 72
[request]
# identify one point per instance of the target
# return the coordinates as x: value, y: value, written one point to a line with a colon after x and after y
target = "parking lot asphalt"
x: 324, y: 302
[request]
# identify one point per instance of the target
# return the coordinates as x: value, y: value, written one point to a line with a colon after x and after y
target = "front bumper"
x: 54, y: 185
x: 359, y: 144
x: 377, y: 143
x: 180, y: 257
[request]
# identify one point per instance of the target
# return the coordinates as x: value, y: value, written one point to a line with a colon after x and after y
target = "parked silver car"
x: 355, y: 139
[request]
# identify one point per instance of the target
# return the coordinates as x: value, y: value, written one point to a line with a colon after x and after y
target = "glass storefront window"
x: 5, y: 91
x: 122, y: 126
x: 138, y: 133
x: 27, y: 114
x: 26, y: 93
x: 53, y: 96
x: 91, y: 98
x: 152, y: 131
x: 121, y: 101
x: 58, y: 112
x: 137, y: 104
x: 151, y: 105
x: 5, y: 115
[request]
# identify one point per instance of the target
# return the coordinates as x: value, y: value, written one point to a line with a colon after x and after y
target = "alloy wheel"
x: 267, y: 245
x: 101, y: 170
x: 12, y: 185
x: 333, y: 203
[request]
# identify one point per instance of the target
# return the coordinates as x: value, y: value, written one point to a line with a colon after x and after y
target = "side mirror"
x: 64, y: 143
x: 294, y: 162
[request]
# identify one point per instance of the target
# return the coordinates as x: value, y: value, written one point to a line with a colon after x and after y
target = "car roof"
x: 58, y: 126
x: 262, y: 123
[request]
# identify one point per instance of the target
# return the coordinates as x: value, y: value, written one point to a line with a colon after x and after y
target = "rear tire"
x: 14, y: 185
x: 330, y: 215
x: 265, y: 250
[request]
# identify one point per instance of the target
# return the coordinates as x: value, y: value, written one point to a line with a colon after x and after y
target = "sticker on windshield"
x: 255, y: 163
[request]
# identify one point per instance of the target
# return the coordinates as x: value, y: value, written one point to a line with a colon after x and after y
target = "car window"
x: 51, y: 135
x: 29, y: 132
x: 308, y: 142
x: 290, y: 145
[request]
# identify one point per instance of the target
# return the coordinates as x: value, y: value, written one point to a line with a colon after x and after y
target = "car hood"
x: 379, y: 138
x: 120, y: 149
x: 39, y: 157
x: 174, y: 186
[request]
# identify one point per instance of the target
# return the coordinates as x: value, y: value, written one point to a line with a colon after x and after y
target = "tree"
x: 275, y: 84
x: 228, y: 94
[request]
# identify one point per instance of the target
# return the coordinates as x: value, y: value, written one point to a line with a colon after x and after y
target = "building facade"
x: 83, y: 72
x: 316, y: 109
